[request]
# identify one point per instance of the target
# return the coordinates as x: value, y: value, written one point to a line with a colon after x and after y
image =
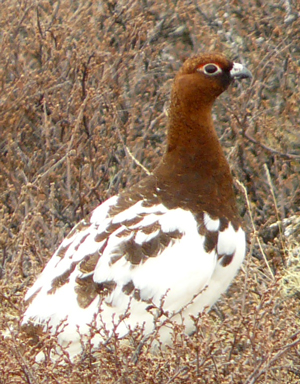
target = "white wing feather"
x: 178, y: 272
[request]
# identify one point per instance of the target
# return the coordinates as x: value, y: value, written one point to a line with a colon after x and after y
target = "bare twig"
x: 137, y: 162
x: 264, y: 146
x: 255, y: 232
x: 266, y: 364
x: 279, y: 221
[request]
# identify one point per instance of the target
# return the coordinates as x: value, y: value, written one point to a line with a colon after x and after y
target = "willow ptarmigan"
x: 166, y: 247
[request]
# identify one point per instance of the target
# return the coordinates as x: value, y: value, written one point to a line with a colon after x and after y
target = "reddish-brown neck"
x: 192, y: 142
x: 194, y: 168
x: 191, y: 134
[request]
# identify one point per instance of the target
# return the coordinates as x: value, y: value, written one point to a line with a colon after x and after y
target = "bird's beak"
x: 240, y: 72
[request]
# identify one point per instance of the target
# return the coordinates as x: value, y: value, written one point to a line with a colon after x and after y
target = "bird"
x: 162, y: 250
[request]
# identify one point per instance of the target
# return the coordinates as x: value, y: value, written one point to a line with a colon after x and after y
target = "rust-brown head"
x: 203, y: 78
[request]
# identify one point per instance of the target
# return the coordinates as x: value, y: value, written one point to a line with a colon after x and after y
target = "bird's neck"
x: 194, y: 168
x: 192, y: 142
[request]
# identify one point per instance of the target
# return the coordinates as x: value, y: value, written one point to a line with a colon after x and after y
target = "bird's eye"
x: 211, y: 69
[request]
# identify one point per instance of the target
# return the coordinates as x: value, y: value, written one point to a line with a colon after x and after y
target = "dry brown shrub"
x: 80, y: 82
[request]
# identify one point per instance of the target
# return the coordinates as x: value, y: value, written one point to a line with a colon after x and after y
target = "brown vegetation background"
x: 83, y: 82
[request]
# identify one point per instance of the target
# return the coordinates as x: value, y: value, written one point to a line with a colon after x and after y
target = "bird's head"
x: 203, y: 78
